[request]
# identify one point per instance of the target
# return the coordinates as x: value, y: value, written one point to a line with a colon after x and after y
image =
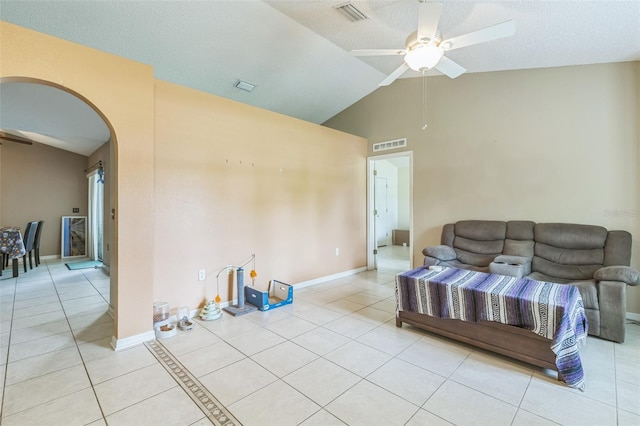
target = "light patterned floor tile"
x: 43, y: 389
x: 321, y: 341
x: 119, y: 363
x: 501, y: 378
x: 391, y: 340
x: 291, y: 328
x: 318, y: 315
x: 423, y: 417
x: 322, y: 418
x: 237, y: 380
x: 322, y: 381
x: 40, y: 346
x: 555, y: 403
x: 190, y: 340
x: 39, y: 331
x: 434, y: 357
x: 406, y: 380
x: 629, y: 397
x: 131, y: 388
x: 525, y: 418
x: 358, y: 358
x: 255, y: 341
x: 368, y: 405
x: 478, y: 407
x: 398, y: 367
x: 94, y: 332
x: 277, y: 403
x: 350, y: 326
x: 172, y: 407
x: 40, y: 365
x: 284, y: 358
x: 210, y: 358
x: 79, y: 408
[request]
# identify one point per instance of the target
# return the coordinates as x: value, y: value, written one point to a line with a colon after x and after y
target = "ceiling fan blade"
x: 428, y: 18
x: 449, y: 68
x: 394, y: 75
x: 493, y: 32
x: 378, y: 52
x: 13, y: 138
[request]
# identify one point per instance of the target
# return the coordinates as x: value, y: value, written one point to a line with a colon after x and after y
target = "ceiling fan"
x: 425, y: 47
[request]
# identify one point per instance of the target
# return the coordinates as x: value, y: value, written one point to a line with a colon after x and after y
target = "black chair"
x: 36, y: 242
x: 29, y: 238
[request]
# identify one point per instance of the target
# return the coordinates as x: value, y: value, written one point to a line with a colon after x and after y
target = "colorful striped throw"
x: 553, y: 311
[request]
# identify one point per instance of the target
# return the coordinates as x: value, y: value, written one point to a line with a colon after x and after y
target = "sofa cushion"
x: 460, y: 265
x: 539, y: 276
x: 475, y: 259
x: 522, y: 248
x: 558, y: 271
x: 569, y: 256
x: 481, y: 247
x: 520, y: 230
x: 617, y: 249
x: 481, y: 230
x: 477, y: 242
x: 570, y: 235
x: 588, y: 292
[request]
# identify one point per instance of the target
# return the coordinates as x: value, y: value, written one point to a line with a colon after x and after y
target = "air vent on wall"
x: 351, y: 12
x: 396, y: 143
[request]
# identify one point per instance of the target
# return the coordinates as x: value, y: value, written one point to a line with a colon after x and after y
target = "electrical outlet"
x: 337, y: 251
x: 202, y: 275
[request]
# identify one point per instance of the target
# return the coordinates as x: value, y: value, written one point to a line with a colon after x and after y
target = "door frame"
x: 371, y: 237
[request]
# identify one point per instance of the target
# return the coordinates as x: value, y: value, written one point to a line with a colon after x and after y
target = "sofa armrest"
x: 440, y: 252
x: 625, y: 274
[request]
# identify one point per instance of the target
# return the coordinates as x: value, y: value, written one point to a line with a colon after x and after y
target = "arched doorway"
x: 48, y: 114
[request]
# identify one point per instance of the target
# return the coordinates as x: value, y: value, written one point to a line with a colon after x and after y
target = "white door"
x: 381, y: 212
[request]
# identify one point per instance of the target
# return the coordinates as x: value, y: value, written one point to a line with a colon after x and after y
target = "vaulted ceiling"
x: 296, y: 52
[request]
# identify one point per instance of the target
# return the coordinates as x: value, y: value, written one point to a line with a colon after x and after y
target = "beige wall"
x: 230, y: 180
x: 554, y: 144
x: 40, y: 182
x: 122, y: 92
x: 233, y: 180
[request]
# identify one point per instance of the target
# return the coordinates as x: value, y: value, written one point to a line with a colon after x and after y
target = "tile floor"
x: 333, y: 357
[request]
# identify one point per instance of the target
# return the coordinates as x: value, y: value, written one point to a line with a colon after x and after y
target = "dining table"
x: 11, y: 245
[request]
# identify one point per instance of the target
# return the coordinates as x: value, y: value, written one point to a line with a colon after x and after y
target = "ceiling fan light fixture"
x: 423, y: 57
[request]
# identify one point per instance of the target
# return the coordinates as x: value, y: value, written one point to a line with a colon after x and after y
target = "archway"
x: 90, y: 130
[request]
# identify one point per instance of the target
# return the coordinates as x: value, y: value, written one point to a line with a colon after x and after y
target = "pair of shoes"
x: 185, y: 324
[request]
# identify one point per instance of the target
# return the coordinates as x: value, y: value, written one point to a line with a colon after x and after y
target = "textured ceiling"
x: 296, y: 52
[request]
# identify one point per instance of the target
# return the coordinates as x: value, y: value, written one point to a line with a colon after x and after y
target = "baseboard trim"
x: 128, y: 342
x: 633, y: 316
x: 328, y: 278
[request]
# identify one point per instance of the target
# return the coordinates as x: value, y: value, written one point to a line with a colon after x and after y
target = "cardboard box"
x: 400, y: 237
x: 278, y: 294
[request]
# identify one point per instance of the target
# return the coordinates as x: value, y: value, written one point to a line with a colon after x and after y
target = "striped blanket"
x: 553, y: 311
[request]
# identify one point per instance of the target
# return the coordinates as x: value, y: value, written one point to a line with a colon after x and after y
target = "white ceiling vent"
x: 244, y: 85
x: 351, y: 12
x: 396, y: 143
